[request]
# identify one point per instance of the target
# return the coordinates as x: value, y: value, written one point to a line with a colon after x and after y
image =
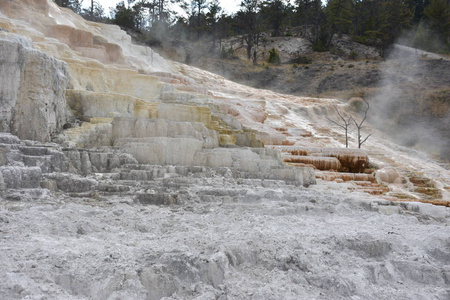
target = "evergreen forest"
x: 424, y: 24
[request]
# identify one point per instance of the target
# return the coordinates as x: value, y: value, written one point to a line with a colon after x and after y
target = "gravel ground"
x: 264, y: 243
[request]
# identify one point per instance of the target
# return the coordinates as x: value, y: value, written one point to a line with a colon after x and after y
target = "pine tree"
x: 395, y: 18
x: 438, y: 13
x: 273, y: 13
x: 124, y: 16
x: 248, y: 21
x: 197, y: 18
x: 74, y: 5
x: 340, y: 16
x: 212, y: 19
x: 303, y: 8
x: 94, y: 12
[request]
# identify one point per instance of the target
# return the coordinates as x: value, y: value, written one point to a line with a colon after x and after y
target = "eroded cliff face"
x: 33, y: 90
x: 163, y: 180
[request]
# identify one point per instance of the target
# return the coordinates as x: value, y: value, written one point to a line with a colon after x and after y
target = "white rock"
x: 162, y: 150
x: 32, y: 96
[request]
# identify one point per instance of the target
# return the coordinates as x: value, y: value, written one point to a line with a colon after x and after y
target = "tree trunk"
x: 249, y: 49
x: 346, y: 137
x: 359, y: 137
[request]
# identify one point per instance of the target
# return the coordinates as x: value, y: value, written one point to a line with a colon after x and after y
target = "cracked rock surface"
x: 229, y: 239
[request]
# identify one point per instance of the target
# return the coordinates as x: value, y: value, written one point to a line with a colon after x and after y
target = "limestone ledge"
x: 90, y: 104
x: 119, y: 80
x: 86, y: 104
x: 163, y: 150
x: 97, y: 132
x: 126, y: 130
x: 30, y: 164
x: 53, y: 24
x: 348, y: 160
x: 32, y: 90
x: 13, y: 177
x: 321, y: 163
x: 108, y: 105
x: 86, y: 43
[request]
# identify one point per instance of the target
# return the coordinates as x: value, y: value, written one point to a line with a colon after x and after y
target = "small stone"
x: 118, y: 212
x: 81, y: 230
x: 18, y: 288
x: 4, y: 219
x: 3, y: 160
x: 49, y: 185
x: 142, y: 228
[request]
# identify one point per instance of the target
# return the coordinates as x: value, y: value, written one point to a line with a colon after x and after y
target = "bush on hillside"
x: 227, y: 53
x: 274, y: 57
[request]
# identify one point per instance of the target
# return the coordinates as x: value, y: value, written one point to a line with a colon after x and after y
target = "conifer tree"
x: 94, y: 12
x: 74, y: 5
x: 197, y: 17
x: 395, y: 17
x: 273, y: 13
x: 212, y: 20
x: 340, y: 16
x: 124, y: 16
x: 248, y: 20
x: 438, y: 13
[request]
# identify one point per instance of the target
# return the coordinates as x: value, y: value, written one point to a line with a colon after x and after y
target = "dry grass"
x: 360, y: 92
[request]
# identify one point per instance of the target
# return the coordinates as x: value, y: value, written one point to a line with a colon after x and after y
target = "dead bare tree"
x: 346, y: 122
x: 359, y: 126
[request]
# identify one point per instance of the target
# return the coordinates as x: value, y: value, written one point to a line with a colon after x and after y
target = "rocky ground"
x: 308, y: 79
x: 228, y: 239
x: 346, y: 70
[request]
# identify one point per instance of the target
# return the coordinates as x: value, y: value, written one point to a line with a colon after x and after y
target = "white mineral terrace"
x: 127, y: 176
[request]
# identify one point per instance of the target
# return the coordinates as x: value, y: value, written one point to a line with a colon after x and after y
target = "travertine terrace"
x: 127, y: 176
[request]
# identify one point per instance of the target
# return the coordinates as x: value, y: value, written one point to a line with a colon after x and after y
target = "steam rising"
x: 408, y: 107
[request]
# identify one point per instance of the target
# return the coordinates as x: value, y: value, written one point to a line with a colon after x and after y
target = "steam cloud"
x: 405, y: 109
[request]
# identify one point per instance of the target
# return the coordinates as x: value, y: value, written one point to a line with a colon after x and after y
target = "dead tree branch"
x: 359, y: 126
x: 347, y: 121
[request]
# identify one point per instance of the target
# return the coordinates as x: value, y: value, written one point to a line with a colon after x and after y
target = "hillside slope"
x: 409, y: 90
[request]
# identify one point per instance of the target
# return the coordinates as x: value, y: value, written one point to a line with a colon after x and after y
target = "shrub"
x: 353, y: 55
x: 227, y: 54
x: 337, y: 51
x: 319, y: 46
x: 274, y: 58
x: 360, y: 39
x: 302, y: 60
x: 357, y: 103
x: 426, y: 39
